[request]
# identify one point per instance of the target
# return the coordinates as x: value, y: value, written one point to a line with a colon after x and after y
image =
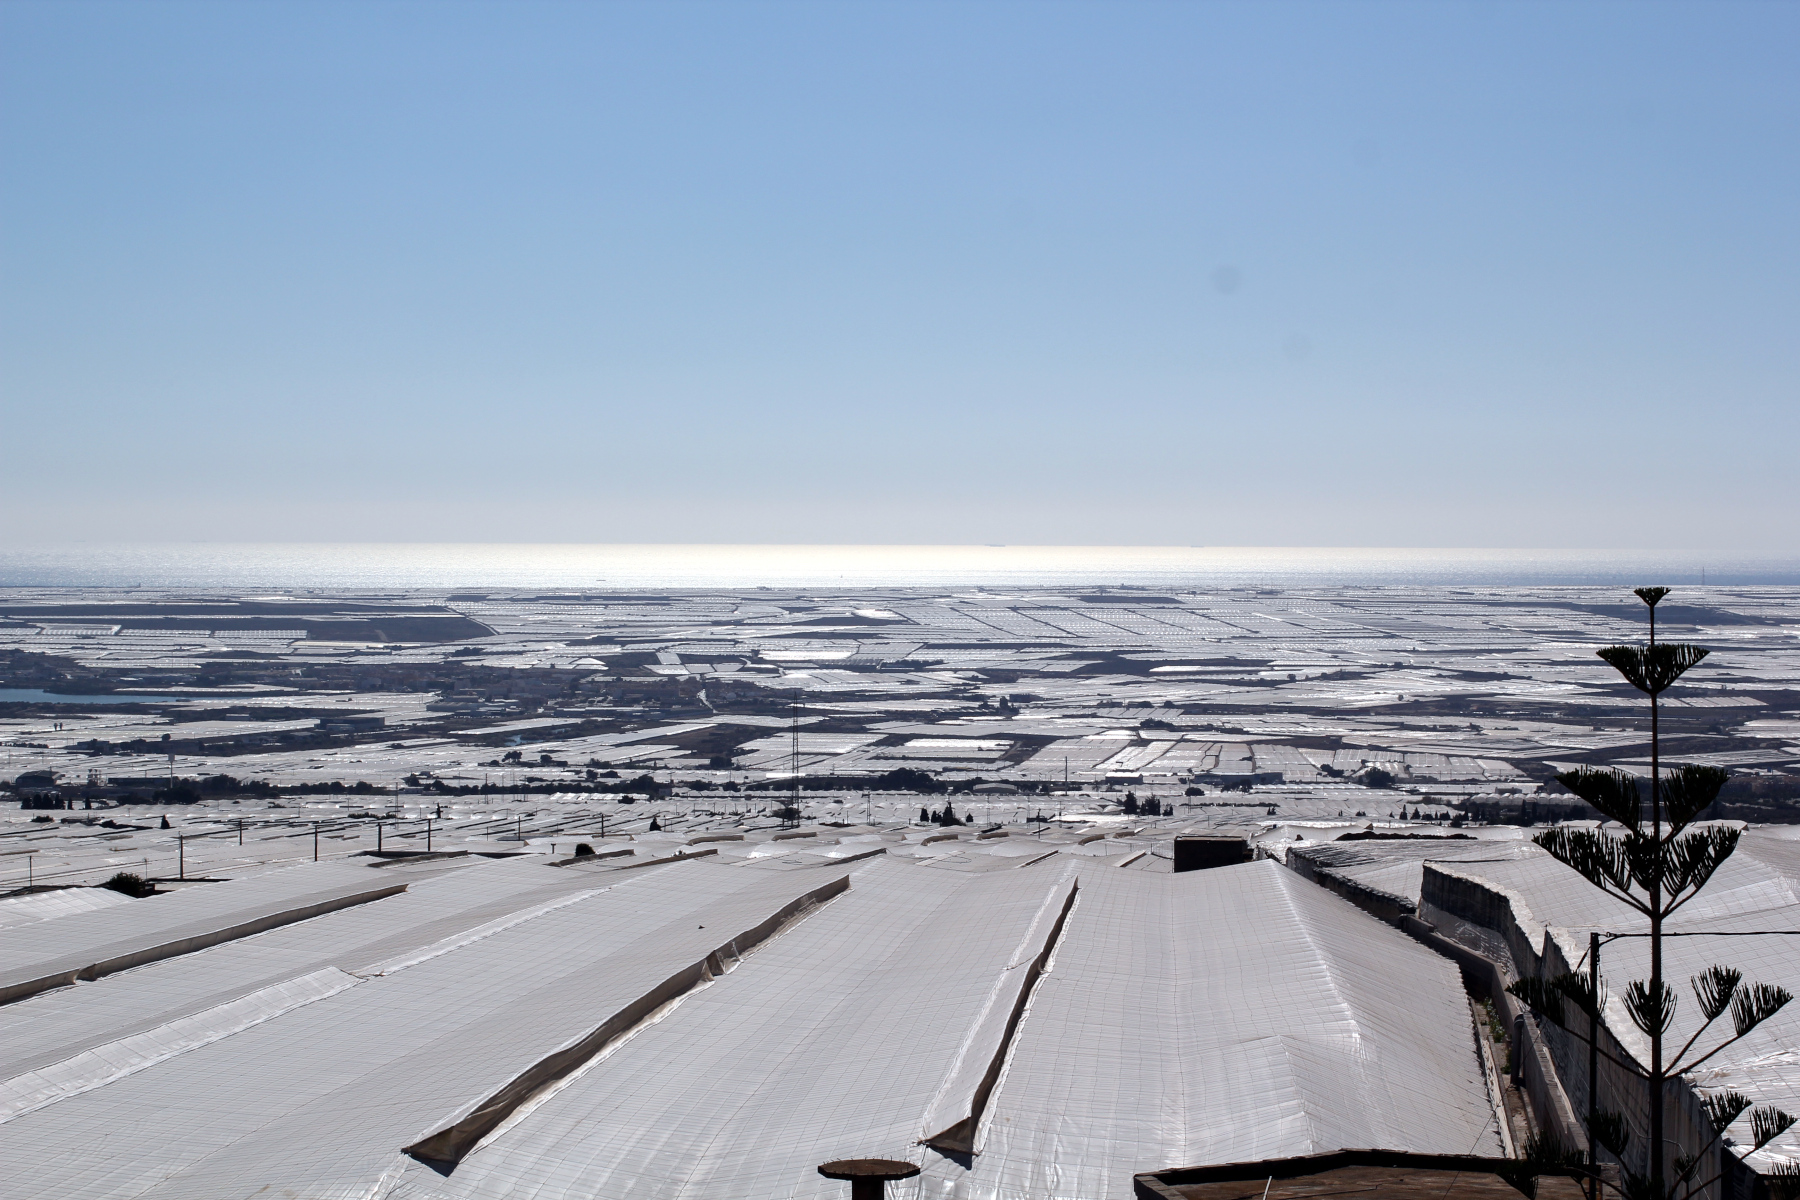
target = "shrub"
x: 135, y: 886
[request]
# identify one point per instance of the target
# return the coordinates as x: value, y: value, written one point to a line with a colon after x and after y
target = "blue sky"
x: 1370, y: 274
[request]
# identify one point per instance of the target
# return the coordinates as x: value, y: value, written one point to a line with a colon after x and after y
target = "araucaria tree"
x: 1656, y: 861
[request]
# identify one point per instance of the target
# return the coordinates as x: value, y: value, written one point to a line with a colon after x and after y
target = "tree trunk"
x: 1657, y: 1089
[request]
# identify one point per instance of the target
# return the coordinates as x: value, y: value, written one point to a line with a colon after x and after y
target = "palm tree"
x: 1655, y: 865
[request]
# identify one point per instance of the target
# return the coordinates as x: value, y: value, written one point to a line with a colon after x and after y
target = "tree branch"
x: 1683, y: 1070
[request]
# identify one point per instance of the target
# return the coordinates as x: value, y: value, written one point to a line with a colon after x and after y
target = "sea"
x: 448, y: 567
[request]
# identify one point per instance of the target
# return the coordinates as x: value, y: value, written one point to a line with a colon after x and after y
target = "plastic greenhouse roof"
x: 322, y: 1095
x: 1226, y: 1014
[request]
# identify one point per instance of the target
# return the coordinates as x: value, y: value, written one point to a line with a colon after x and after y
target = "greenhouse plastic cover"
x: 60, y: 1024
x: 85, y: 945
x: 321, y: 1097
x: 1209, y: 1016
x: 1084, y: 1022
x: 64, y: 902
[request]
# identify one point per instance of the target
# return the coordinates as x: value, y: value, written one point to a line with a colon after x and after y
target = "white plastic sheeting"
x: 1397, y: 868
x: 86, y: 945
x: 1222, y: 1016
x: 180, y: 911
x: 59, y: 1024
x: 64, y: 902
x: 1181, y: 1018
x: 835, y: 1041
x: 953, y: 1118
x: 115, y: 1060
x: 1762, y: 876
x: 1185, y: 1018
x: 457, y: 941
x: 317, y: 1101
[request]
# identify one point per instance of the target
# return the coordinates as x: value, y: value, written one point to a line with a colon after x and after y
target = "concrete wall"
x: 1384, y: 905
x: 1486, y: 978
x: 1453, y: 896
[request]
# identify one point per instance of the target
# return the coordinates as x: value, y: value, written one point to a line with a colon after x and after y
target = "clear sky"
x: 1438, y: 274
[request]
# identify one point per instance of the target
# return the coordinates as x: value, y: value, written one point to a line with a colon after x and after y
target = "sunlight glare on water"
x: 444, y: 566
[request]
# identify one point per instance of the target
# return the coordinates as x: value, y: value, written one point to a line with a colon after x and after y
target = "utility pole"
x: 315, y: 841
x: 240, y: 831
x: 428, y: 835
x: 1593, y: 1065
x: 378, y: 837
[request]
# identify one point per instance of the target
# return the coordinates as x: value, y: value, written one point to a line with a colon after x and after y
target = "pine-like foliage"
x: 1655, y: 859
x: 1651, y: 669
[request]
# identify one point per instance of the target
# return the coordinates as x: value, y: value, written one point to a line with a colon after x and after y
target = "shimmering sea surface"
x: 452, y: 566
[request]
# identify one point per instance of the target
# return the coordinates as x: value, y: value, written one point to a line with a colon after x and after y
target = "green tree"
x: 130, y: 884
x: 1656, y: 862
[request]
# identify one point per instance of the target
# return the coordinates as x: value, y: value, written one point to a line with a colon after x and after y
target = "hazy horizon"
x: 449, y: 566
